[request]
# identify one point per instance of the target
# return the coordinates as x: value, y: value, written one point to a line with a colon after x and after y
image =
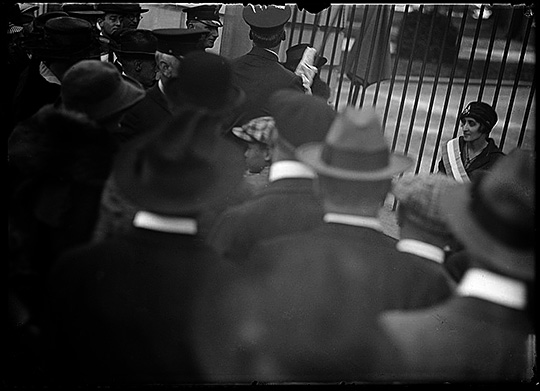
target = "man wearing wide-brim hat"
x: 65, y: 41
x: 151, y: 275
x: 172, y: 45
x: 485, y: 332
x: 136, y: 52
x: 259, y: 72
x: 206, y: 17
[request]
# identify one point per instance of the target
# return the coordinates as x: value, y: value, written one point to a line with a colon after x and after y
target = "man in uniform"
x: 259, y: 72
x: 205, y: 17
x: 173, y: 44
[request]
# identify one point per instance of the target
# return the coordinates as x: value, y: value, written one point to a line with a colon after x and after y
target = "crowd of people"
x: 177, y: 217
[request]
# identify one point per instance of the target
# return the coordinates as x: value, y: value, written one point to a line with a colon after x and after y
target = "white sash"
x: 452, y: 161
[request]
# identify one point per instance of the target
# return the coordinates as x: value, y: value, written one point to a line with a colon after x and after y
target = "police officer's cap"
x: 177, y: 41
x: 206, y: 14
x: 266, y: 18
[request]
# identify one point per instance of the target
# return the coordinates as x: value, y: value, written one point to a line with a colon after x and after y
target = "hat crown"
x: 89, y: 81
x: 66, y: 32
x: 359, y: 130
x: 137, y: 41
x: 300, y: 118
x: 482, y: 112
x: 266, y: 16
x: 205, y: 80
x: 420, y: 195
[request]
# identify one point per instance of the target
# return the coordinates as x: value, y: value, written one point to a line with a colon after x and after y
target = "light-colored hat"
x: 354, y: 149
x: 419, y: 196
x: 494, y: 216
x: 259, y: 130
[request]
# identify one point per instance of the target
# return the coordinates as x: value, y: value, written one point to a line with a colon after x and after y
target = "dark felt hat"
x: 180, y: 169
x: 206, y: 14
x: 482, y: 112
x: 295, y: 53
x: 81, y: 10
x: 300, y: 118
x: 266, y: 19
x: 135, y: 42
x: 494, y: 217
x: 205, y: 82
x: 121, y: 8
x: 177, y: 41
x: 65, y: 38
x: 354, y: 149
x: 98, y: 89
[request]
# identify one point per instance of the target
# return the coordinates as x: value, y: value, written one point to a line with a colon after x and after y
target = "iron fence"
x: 420, y: 65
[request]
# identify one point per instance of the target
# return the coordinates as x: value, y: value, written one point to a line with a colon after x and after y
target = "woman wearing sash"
x: 467, y: 156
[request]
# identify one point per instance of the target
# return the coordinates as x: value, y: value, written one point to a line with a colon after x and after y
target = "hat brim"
x: 39, y: 49
x: 311, y: 155
x: 128, y: 95
x: 455, y: 202
x: 227, y: 174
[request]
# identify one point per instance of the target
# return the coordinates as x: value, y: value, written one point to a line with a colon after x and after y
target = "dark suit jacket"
x: 148, y: 114
x: 285, y: 206
x: 260, y: 74
x: 32, y: 93
x: 463, y: 339
x: 121, y: 310
x: 366, y: 256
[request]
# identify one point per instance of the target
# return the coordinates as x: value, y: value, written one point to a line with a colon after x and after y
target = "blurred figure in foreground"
x: 492, y: 312
x: 122, y: 309
x: 423, y: 232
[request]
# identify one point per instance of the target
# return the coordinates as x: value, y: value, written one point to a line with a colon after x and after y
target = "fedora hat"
x: 98, y: 89
x: 182, y: 168
x: 300, y: 118
x: 135, y: 42
x: 494, y: 216
x: 65, y: 38
x: 205, y: 81
x: 354, y: 149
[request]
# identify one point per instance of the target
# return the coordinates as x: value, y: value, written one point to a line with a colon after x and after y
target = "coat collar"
x: 262, y: 52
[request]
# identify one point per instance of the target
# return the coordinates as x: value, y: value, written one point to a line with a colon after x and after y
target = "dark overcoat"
x: 121, y: 310
x: 260, y: 74
x: 464, y: 339
x: 145, y: 116
x: 367, y: 256
x: 32, y: 93
x: 286, y: 205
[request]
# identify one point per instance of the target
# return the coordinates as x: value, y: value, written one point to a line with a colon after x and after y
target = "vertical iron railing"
x: 428, y: 91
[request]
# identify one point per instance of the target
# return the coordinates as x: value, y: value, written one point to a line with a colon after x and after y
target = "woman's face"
x: 471, y: 129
